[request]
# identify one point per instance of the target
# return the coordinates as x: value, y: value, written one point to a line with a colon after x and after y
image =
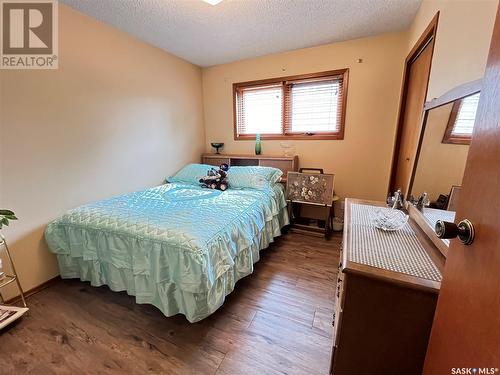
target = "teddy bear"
x: 216, y: 178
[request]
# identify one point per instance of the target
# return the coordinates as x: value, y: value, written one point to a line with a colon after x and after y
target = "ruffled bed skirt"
x: 167, y: 296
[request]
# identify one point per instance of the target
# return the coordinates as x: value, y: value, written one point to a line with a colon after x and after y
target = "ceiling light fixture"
x: 212, y: 2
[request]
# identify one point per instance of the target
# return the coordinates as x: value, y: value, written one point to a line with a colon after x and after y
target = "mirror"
x: 442, y: 152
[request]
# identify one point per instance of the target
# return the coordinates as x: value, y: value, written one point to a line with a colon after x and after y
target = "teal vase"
x: 258, y: 146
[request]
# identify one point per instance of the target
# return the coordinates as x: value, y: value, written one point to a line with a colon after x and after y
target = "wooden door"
x: 417, y: 71
x: 466, y: 329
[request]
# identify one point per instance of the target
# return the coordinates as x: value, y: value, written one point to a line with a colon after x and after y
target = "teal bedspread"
x: 179, y: 247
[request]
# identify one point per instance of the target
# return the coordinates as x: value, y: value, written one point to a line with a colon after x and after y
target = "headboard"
x: 285, y: 163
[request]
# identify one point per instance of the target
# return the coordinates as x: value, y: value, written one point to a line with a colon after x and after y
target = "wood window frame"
x: 319, y: 136
x: 448, y: 136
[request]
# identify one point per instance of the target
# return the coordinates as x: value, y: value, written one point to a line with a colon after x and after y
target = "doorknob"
x: 464, y: 230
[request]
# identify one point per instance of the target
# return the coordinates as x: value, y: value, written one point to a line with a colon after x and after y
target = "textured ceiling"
x: 238, y: 29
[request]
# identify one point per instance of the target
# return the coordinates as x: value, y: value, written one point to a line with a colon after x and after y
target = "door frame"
x: 427, y: 36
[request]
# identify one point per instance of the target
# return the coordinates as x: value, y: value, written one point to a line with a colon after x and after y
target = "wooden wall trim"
x: 33, y: 291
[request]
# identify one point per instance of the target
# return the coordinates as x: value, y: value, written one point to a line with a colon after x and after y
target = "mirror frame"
x: 456, y: 93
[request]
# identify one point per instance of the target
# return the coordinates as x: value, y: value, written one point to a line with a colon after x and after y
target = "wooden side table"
x: 312, y: 187
x: 329, y: 216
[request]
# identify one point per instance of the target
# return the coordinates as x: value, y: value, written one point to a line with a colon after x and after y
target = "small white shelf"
x: 6, y: 280
x: 18, y: 312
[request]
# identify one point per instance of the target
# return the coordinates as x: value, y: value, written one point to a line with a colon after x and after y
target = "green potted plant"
x: 5, y: 217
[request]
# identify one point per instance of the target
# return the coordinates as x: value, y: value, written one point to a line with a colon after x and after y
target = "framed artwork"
x: 312, y: 188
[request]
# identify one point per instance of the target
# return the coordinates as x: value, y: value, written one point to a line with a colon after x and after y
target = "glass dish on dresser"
x: 388, y: 219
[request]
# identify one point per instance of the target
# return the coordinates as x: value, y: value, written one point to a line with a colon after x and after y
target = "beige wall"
x: 440, y: 165
x: 361, y: 161
x: 117, y: 116
x: 462, y: 42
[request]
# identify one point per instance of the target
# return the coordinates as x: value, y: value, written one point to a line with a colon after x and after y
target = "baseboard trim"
x: 34, y: 290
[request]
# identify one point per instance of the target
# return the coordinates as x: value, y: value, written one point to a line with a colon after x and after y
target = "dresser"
x: 387, y: 289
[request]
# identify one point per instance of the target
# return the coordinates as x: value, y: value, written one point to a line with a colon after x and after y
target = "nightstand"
x: 311, y: 187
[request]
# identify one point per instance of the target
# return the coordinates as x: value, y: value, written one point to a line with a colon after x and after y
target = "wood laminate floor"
x: 277, y: 321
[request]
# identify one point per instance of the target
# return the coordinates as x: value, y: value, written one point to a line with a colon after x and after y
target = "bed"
x: 177, y: 246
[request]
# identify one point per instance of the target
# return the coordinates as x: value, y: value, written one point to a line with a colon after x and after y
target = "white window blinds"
x: 297, y: 107
x: 314, y: 106
x: 464, y: 122
x: 259, y: 110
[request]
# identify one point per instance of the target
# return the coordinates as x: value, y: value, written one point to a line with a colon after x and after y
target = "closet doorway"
x: 413, y: 96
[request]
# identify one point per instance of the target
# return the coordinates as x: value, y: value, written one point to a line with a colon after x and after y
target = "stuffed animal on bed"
x: 216, y: 178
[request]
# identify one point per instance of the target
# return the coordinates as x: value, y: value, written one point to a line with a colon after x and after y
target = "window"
x: 301, y: 107
x: 461, y: 121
